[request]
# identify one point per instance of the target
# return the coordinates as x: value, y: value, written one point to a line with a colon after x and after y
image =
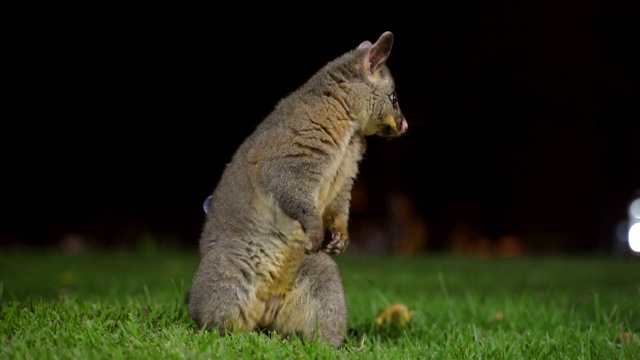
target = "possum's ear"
x: 378, y: 52
x: 365, y: 44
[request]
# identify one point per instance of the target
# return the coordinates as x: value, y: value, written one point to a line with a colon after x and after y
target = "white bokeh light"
x: 634, y: 237
x: 634, y: 208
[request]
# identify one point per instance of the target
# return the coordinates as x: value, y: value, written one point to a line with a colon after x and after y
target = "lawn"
x: 130, y: 305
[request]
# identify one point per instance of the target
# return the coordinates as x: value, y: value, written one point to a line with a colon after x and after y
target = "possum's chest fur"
x: 342, y: 168
x: 279, y: 253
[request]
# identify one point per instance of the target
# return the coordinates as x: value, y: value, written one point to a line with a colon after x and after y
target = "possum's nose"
x: 405, y: 126
x: 394, y: 126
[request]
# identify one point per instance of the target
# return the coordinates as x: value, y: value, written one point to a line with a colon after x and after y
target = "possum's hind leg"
x: 315, y: 308
x: 222, y: 294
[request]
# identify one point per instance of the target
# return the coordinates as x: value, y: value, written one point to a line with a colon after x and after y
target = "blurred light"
x: 634, y: 208
x: 207, y: 204
x: 622, y: 232
x: 634, y: 237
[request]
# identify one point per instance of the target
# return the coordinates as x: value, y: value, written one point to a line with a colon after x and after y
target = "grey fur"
x: 261, y: 264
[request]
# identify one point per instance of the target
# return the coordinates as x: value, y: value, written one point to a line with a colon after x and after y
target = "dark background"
x: 120, y: 116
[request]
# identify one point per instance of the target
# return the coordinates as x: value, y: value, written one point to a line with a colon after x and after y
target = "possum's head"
x: 382, y: 112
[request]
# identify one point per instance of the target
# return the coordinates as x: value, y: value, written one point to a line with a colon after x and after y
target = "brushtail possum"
x: 264, y: 262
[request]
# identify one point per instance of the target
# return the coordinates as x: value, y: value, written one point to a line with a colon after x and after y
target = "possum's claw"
x: 339, y: 242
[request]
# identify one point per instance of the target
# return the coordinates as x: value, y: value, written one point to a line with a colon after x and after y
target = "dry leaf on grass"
x: 396, y: 314
x: 628, y: 337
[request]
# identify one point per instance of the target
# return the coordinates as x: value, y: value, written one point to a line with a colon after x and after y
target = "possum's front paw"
x: 338, y: 243
x: 314, y: 242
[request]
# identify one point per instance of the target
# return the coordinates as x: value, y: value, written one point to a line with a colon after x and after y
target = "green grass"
x: 124, y: 305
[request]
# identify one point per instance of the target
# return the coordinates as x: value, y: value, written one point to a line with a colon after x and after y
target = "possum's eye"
x: 394, y: 99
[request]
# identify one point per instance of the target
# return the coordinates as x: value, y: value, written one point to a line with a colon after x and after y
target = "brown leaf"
x: 628, y: 337
x: 395, y: 314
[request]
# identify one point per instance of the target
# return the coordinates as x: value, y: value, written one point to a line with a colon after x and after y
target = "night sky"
x: 523, y: 116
